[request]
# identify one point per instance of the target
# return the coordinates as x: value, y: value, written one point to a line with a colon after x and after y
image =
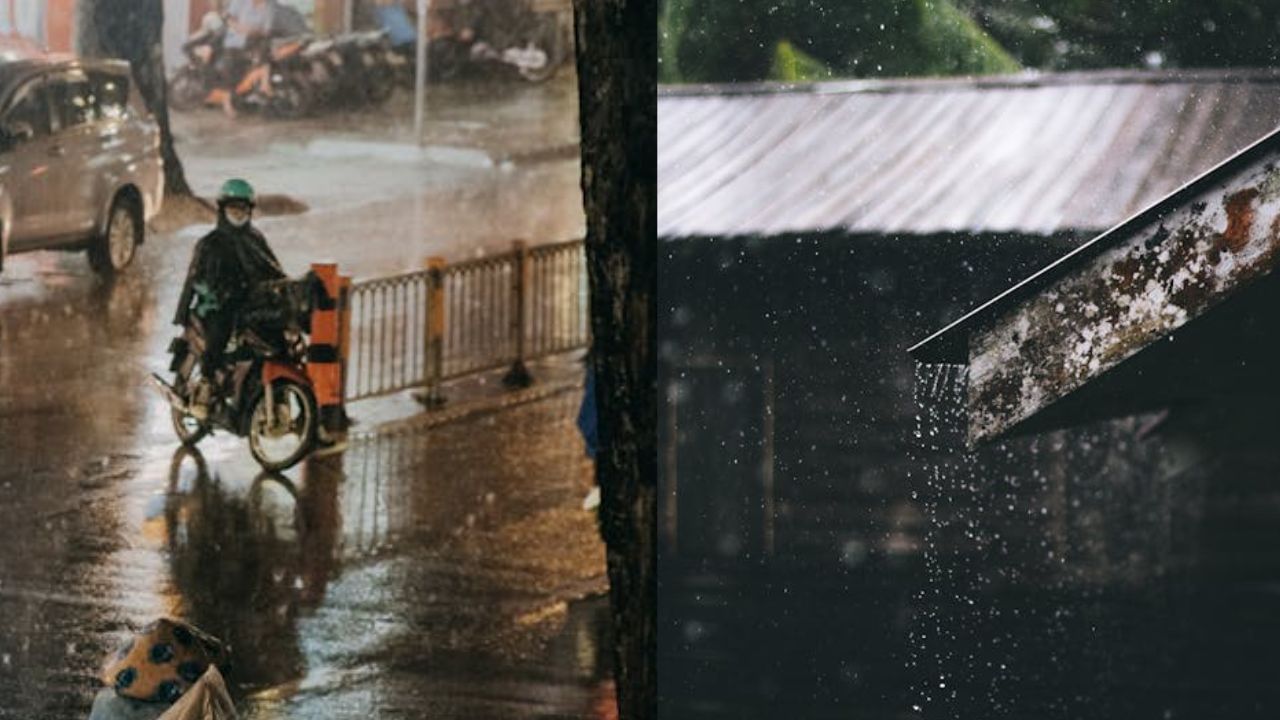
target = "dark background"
x: 716, y: 41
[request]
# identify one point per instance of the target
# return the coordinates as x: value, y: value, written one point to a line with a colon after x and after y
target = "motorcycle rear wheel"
x: 269, y: 445
x: 448, y: 57
x: 379, y: 86
x: 187, y: 89
x: 290, y: 100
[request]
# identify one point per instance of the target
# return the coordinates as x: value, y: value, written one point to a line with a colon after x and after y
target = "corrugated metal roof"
x: 1027, y: 154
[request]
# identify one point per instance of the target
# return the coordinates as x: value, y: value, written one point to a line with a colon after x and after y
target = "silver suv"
x: 80, y: 165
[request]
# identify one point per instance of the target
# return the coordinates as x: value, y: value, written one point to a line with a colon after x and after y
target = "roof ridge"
x: 1026, y: 79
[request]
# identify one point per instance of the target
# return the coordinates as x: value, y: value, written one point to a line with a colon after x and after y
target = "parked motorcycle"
x: 530, y: 61
x: 531, y: 44
x: 275, y: 84
x: 266, y: 395
x: 348, y: 70
x: 192, y: 83
x: 494, y: 38
x: 371, y: 50
x: 324, y: 71
x: 272, y: 81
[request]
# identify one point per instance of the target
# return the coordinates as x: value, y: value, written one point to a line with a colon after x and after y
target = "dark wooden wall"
x: 828, y: 548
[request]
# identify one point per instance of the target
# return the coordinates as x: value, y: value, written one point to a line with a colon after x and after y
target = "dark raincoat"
x: 231, y: 261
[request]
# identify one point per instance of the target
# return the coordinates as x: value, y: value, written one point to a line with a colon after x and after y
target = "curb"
x: 566, y: 151
x: 467, y: 411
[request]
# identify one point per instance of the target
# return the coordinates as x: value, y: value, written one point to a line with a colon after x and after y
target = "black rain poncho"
x: 227, y: 264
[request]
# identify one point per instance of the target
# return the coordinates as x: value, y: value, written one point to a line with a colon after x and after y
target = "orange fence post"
x: 434, y: 336
x: 344, y: 329
x: 324, y: 355
x: 519, y: 376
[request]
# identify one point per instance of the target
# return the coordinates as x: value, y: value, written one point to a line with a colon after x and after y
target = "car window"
x: 73, y: 101
x: 30, y: 109
x: 112, y: 93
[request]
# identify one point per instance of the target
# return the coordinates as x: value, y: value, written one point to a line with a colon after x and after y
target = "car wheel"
x: 116, y: 248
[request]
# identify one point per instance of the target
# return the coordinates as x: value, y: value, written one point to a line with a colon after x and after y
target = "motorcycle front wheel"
x: 279, y: 440
x: 188, y: 429
x: 380, y: 83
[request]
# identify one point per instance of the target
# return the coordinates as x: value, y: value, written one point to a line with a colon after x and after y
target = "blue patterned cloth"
x: 587, y: 421
x: 107, y: 705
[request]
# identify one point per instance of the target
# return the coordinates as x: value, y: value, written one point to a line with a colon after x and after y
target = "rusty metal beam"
x: 1134, y: 285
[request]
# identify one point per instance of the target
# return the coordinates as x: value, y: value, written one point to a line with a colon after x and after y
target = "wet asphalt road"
x: 445, y: 572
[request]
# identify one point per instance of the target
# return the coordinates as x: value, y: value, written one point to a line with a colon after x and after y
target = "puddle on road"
x: 446, y: 573
x: 411, y: 569
x: 415, y: 573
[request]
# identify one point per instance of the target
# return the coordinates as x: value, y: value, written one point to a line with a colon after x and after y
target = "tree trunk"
x: 132, y: 30
x: 617, y: 76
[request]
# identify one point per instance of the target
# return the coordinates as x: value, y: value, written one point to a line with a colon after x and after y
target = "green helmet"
x: 236, y: 189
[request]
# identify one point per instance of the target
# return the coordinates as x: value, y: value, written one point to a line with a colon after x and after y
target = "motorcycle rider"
x: 227, y: 266
x: 394, y: 19
x: 248, y: 21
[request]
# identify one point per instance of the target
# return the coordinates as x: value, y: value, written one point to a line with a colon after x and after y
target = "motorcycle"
x: 507, y: 38
x: 344, y: 70
x: 530, y: 61
x: 322, y: 67
x: 372, y: 50
x: 191, y: 84
x: 271, y: 83
x: 265, y: 394
x: 276, y: 84
x: 531, y: 44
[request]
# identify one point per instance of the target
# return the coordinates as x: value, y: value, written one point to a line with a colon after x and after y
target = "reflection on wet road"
x: 444, y: 572
x: 415, y: 573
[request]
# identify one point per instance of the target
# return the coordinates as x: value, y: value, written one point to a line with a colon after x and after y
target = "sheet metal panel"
x: 1071, y: 152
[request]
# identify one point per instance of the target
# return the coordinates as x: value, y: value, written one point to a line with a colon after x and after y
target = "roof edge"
x: 1026, y: 79
x: 950, y: 344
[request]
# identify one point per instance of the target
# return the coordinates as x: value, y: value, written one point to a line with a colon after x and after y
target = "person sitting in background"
x: 398, y: 19
x: 248, y: 21
x: 394, y: 19
x: 288, y: 21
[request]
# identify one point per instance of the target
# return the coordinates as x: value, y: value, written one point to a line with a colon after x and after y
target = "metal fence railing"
x: 558, y: 319
x: 418, y: 329
x: 481, y: 298
x: 388, y: 349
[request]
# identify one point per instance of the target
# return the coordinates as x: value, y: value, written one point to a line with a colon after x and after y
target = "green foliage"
x: 958, y: 45
x: 792, y: 65
x: 670, y: 30
x: 739, y: 40
x: 1071, y: 34
x: 719, y: 40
